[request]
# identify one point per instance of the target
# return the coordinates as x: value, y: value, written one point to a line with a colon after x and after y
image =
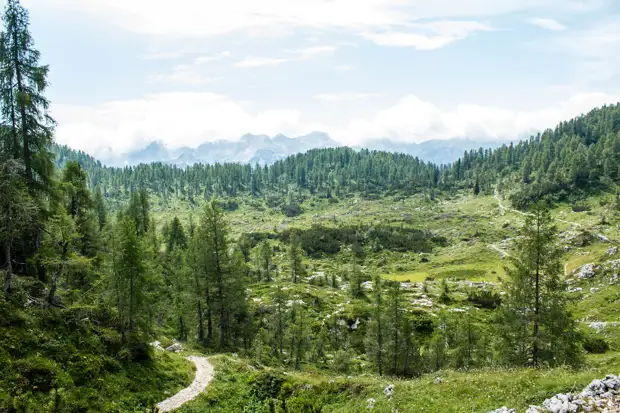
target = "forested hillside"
x: 578, y: 156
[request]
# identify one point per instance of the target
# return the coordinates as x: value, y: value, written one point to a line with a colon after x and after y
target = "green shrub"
x: 595, y: 345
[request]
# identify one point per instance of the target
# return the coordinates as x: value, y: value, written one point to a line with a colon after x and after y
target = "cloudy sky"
x: 127, y: 72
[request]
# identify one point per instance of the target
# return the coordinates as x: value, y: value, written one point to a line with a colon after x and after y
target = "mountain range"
x: 266, y: 150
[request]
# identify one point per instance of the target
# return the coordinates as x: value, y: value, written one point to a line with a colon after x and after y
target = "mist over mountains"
x: 266, y: 150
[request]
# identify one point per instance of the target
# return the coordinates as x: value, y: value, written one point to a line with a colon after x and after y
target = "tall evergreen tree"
x: 295, y: 256
x: 18, y: 212
x: 537, y: 326
x: 375, y: 345
x: 24, y: 107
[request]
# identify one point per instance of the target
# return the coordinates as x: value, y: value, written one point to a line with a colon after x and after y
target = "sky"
x: 128, y: 72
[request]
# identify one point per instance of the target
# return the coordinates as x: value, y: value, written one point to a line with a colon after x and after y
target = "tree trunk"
x: 379, y: 346
x: 406, y: 363
x: 22, y: 110
x: 201, y: 329
x: 396, y: 326
x: 8, y: 275
x: 52, y: 294
x: 209, y: 319
x: 537, y: 298
x: 14, y: 124
x: 131, y: 302
x: 181, y: 328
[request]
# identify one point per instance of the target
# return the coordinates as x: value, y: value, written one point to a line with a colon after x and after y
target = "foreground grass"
x: 237, y: 387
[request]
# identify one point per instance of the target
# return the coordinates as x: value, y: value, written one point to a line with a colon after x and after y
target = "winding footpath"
x: 204, y: 375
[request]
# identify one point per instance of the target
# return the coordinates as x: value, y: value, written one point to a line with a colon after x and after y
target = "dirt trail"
x: 204, y: 375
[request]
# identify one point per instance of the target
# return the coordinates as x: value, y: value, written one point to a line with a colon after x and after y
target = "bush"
x: 595, y: 345
x: 291, y: 210
x: 342, y: 361
x: 484, y: 298
x: 580, y: 207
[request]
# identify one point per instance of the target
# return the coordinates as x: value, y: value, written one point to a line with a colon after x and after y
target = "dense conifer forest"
x: 359, y: 264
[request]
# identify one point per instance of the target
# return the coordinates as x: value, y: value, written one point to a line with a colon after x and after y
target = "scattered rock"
x: 602, y: 238
x: 438, y: 380
x: 389, y: 391
x: 600, y: 325
x: 423, y: 302
x: 599, y: 395
x: 370, y: 403
x: 503, y: 410
x: 612, y: 250
x: 368, y: 285
x: 175, y: 347
x: 586, y: 271
x: 561, y: 403
x: 575, y: 289
x: 156, y: 345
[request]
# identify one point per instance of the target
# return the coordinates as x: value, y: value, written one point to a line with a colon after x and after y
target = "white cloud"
x: 315, y: 51
x: 384, y: 20
x: 188, y: 119
x: 162, y: 56
x: 344, y: 68
x: 293, y: 55
x: 345, y: 96
x: 428, y: 36
x: 178, y: 119
x: 415, y: 120
x: 596, y: 49
x: 549, y: 24
x: 256, y: 61
x: 193, y: 74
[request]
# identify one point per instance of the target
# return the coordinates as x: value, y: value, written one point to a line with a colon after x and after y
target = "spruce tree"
x: 18, y: 213
x: 375, y: 346
x: 537, y: 327
x: 295, y: 255
x: 24, y: 107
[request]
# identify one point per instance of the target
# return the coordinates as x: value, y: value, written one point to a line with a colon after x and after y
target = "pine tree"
x: 537, y: 327
x: 279, y: 320
x: 355, y: 279
x: 18, y: 213
x: 224, y: 273
x: 265, y: 259
x: 60, y: 250
x: 131, y: 272
x: 394, y: 323
x: 295, y: 258
x: 24, y: 107
x: 376, y: 332
x: 102, y: 214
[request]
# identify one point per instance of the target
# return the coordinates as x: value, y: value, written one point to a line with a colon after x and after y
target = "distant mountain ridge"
x: 265, y: 150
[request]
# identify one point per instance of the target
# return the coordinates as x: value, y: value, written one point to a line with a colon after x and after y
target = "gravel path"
x: 204, y: 374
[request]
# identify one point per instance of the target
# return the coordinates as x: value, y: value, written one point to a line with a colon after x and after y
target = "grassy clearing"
x: 240, y: 387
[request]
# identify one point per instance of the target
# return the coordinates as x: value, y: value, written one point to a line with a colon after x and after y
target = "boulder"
x: 586, y: 271
x: 156, y: 345
x: 175, y: 347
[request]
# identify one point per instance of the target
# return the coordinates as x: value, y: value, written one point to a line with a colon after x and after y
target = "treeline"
x: 577, y: 156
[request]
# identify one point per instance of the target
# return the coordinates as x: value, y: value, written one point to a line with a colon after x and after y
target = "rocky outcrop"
x: 599, y: 396
x: 586, y: 271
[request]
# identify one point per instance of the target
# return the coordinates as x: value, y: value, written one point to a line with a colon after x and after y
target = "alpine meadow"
x: 333, y: 277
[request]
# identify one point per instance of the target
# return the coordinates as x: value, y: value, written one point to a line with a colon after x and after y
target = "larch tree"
x: 537, y: 327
